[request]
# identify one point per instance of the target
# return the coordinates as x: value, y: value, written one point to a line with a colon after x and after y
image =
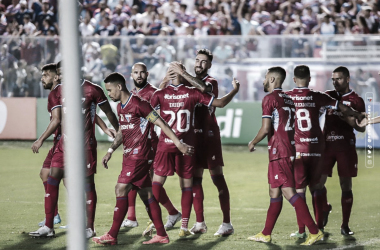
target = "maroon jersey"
x: 310, y: 113
x: 177, y: 104
x: 338, y: 134
x: 135, y: 127
x: 145, y: 94
x: 92, y: 95
x: 280, y: 108
x: 55, y: 101
x: 205, y: 120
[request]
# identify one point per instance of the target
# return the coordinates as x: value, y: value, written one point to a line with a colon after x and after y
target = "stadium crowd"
x: 118, y: 33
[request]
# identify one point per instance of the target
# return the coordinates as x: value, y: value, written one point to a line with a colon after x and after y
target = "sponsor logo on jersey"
x: 298, y: 155
x: 276, y: 176
x: 311, y: 154
x: 269, y: 147
x: 128, y: 117
x: 302, y: 98
x: 304, y: 104
x: 167, y: 140
x: 347, y: 103
x: 135, y: 151
x: 334, y: 137
x: 129, y: 126
x: 175, y: 97
x: 309, y: 139
x: 129, y: 174
x: 176, y: 104
x: 289, y: 102
x: 274, y: 151
x: 121, y: 118
x: 126, y: 151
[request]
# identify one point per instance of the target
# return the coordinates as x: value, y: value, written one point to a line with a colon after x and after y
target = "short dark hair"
x: 52, y: 67
x: 115, y: 78
x: 278, y: 70
x: 302, y: 72
x: 206, y: 52
x: 343, y: 70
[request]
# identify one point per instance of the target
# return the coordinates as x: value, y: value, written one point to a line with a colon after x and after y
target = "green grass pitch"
x: 22, y: 195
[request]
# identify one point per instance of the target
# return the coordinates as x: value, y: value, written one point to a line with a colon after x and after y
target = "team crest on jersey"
x: 347, y: 103
x: 128, y: 117
x: 121, y: 118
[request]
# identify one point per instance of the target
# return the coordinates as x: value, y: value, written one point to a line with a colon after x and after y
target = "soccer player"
x: 92, y: 95
x: 340, y: 144
x: 278, y: 124
x: 309, y: 140
x: 54, y: 108
x: 176, y: 105
x: 208, y: 151
x: 135, y: 118
x: 145, y: 90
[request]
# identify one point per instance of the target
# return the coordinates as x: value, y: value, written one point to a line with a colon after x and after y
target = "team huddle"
x: 307, y: 131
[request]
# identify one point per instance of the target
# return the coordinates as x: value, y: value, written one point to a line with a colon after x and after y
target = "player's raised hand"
x: 110, y: 132
x: 36, y: 145
x: 251, y: 146
x: 177, y: 67
x: 106, y: 159
x: 235, y: 84
x: 186, y: 149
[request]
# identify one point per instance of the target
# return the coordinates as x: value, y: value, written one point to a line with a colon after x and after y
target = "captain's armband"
x: 152, y: 117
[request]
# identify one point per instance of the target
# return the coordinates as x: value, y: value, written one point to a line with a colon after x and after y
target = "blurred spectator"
x: 166, y: 50
x: 31, y: 51
x: 222, y: 52
x: 8, y: 64
x: 368, y: 21
x: 158, y: 71
x: 19, y: 16
x: 169, y: 9
x: 20, y: 88
x: 90, y: 5
x: 110, y: 55
x: 325, y: 26
x: 134, y: 29
x: 12, y: 10
x: 107, y: 28
x: 180, y: 27
x: 119, y: 17
x: 46, y: 12
x: 28, y: 28
x: 87, y: 26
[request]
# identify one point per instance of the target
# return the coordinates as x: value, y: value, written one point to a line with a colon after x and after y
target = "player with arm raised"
x: 208, y: 153
x: 309, y: 139
x: 92, y: 95
x: 145, y: 90
x: 176, y: 105
x: 278, y: 124
x: 340, y: 145
x: 136, y: 117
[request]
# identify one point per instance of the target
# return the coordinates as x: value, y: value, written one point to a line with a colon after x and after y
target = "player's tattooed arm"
x: 222, y: 102
x: 156, y: 119
x: 53, y: 125
x: 106, y: 108
x: 116, y: 143
x: 178, y: 68
x: 263, y: 132
x: 109, y: 131
x: 350, y: 116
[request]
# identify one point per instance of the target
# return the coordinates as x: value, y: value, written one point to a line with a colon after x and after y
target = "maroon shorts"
x: 280, y: 173
x: 208, y: 152
x: 49, y: 157
x: 347, y: 162
x: 165, y: 164
x: 57, y: 160
x: 307, y: 169
x: 135, y: 172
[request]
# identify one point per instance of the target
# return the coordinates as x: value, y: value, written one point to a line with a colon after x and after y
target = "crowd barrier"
x: 27, y: 119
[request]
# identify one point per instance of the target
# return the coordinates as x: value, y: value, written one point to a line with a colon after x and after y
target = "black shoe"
x: 346, y: 231
x: 326, y: 215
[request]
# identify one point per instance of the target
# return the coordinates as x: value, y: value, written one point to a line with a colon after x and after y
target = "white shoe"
x: 90, y: 233
x: 129, y: 223
x: 199, y: 228
x: 225, y: 229
x: 172, y: 220
x: 43, y: 232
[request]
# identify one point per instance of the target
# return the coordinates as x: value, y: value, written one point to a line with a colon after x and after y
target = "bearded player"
x: 176, y: 105
x: 309, y: 139
x: 145, y: 90
x: 93, y: 95
x: 278, y: 124
x: 49, y: 72
x: 340, y: 145
x: 208, y: 146
x: 136, y: 117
